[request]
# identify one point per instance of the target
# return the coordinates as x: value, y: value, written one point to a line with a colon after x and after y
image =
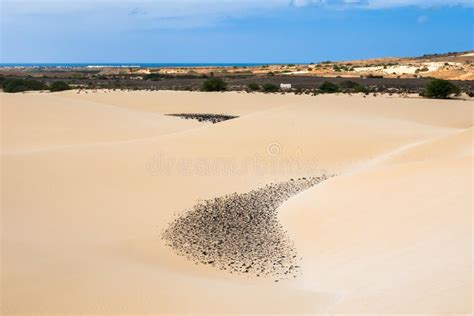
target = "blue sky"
x: 217, y: 31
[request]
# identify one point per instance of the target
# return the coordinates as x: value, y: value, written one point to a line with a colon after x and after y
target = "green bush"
x: 159, y: 76
x: 440, y: 89
x: 362, y: 89
x: 20, y: 85
x: 328, y: 87
x: 352, y: 86
x: 59, y: 86
x: 349, y: 85
x: 214, y: 84
x: 153, y: 77
x: 424, y: 69
x: 253, y: 86
x: 374, y: 76
x: 269, y: 87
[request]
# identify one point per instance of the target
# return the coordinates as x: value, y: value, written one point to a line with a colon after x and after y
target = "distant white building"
x: 285, y: 86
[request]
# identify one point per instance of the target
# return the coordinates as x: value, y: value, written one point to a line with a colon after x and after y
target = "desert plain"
x: 91, y: 180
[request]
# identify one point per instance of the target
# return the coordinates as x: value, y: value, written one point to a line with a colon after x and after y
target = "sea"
x: 136, y: 65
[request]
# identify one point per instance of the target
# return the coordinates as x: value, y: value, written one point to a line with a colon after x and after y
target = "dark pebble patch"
x: 204, y: 117
x: 240, y: 233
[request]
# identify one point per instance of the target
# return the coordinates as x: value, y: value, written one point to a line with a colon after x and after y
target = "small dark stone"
x: 205, y: 117
x: 240, y: 232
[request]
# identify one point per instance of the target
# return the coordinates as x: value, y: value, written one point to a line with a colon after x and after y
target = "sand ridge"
x: 81, y: 224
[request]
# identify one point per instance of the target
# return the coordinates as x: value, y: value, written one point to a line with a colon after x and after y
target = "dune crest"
x: 82, y: 224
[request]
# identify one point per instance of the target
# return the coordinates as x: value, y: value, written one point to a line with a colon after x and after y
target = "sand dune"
x: 403, y: 231
x: 455, y: 145
x: 90, y: 181
x: 40, y: 121
x: 182, y: 101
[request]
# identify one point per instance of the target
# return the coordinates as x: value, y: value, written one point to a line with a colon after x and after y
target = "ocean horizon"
x: 139, y: 65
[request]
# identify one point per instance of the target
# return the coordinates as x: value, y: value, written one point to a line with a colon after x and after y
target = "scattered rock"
x: 240, y: 232
x: 205, y: 117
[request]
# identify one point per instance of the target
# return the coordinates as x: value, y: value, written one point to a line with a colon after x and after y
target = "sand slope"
x: 82, y: 211
x: 402, y: 232
x: 57, y: 121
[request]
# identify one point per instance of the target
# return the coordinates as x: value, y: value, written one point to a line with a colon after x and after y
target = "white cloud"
x: 380, y: 4
x: 150, y: 14
x: 157, y: 7
x: 167, y: 5
x: 422, y: 19
x: 304, y: 3
x: 139, y: 14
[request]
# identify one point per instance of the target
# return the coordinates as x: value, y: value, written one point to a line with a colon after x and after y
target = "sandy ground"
x: 89, y: 182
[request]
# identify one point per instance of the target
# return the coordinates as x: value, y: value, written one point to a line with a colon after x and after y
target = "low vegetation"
x: 339, y: 68
x: 374, y: 76
x: 424, y: 69
x: 328, y: 87
x: 161, y: 76
x: 269, y: 87
x: 153, y: 77
x: 59, y: 86
x: 20, y: 85
x: 336, y: 68
x: 214, y: 84
x: 253, y: 86
x: 440, y: 89
x: 351, y: 86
